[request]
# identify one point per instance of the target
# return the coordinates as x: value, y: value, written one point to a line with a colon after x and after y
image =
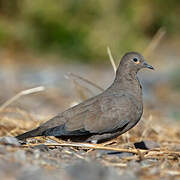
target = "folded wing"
x: 95, y: 116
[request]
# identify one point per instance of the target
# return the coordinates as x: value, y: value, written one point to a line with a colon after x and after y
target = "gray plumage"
x: 105, y: 116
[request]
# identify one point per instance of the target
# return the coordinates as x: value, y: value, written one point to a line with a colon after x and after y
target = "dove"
x: 105, y: 116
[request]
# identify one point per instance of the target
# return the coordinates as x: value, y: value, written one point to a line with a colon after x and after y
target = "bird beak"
x: 147, y: 65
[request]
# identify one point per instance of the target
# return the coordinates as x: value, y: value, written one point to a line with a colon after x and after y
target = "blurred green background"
x: 81, y: 30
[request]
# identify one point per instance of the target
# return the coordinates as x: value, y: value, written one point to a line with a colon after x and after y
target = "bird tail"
x: 29, y: 134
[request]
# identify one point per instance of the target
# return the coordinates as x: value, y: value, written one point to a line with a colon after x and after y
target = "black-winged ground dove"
x: 105, y: 116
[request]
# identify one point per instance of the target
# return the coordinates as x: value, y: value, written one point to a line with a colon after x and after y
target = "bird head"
x: 134, y: 62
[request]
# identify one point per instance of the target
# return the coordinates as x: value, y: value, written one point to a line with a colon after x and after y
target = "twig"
x: 22, y: 93
x: 146, y: 153
x: 141, y: 155
x: 155, y: 41
x: 90, y: 146
x: 111, y: 59
x: 85, y: 80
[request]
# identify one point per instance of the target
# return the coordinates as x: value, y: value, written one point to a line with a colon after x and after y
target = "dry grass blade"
x: 22, y: 93
x: 154, y: 42
x: 85, y: 80
x: 82, y: 92
x: 111, y: 59
x: 88, y: 81
x: 148, y: 127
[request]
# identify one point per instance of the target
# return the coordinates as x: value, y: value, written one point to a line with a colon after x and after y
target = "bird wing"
x: 100, y: 115
x: 111, y: 113
x: 96, y: 115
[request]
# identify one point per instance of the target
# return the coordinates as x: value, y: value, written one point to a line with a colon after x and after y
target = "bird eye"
x: 135, y: 59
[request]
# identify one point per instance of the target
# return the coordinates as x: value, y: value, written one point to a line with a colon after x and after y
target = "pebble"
x: 8, y: 140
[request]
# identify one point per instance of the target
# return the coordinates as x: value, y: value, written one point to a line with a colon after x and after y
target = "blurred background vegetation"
x: 81, y: 30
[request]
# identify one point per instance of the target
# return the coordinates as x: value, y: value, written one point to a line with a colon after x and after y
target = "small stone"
x: 8, y: 140
x: 146, y: 145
